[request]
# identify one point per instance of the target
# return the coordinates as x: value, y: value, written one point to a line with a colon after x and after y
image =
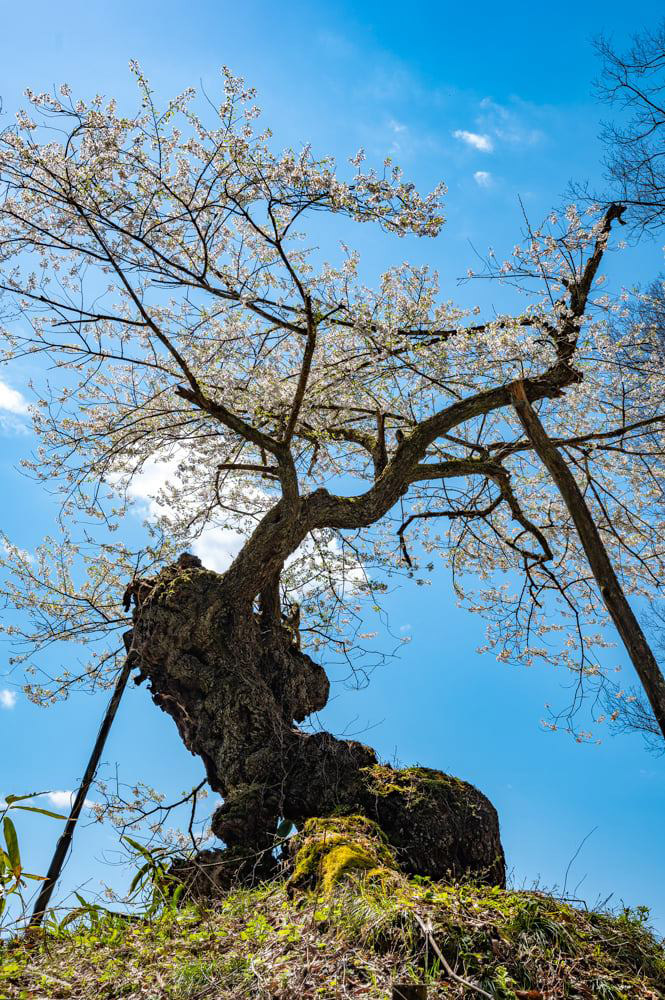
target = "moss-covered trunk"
x: 237, y: 684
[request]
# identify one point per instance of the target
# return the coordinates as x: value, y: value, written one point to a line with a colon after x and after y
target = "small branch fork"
x: 467, y: 514
x: 501, y: 477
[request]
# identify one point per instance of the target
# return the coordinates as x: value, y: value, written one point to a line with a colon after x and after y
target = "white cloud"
x: 153, y: 477
x: 7, y: 698
x: 482, y: 143
x: 65, y: 799
x: 396, y: 126
x: 405, y: 628
x: 13, y: 550
x: 12, y: 400
x: 511, y: 125
x: 217, y: 548
x: 483, y: 178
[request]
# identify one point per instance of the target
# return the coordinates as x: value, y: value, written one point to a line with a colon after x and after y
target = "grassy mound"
x: 353, y: 943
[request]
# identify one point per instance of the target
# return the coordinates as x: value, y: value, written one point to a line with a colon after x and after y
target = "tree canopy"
x: 169, y: 274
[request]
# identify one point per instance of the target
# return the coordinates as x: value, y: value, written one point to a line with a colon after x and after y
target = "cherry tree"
x: 160, y: 272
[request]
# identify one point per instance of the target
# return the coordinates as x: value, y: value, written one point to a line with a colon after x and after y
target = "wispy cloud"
x: 511, y: 125
x: 396, y: 126
x: 13, y: 407
x: 403, y: 142
x: 64, y: 799
x: 12, y: 400
x: 7, y: 698
x: 483, y: 178
x: 476, y: 140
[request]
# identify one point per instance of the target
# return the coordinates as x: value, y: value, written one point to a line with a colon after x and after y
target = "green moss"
x: 344, y: 859
x: 332, y: 848
x: 172, y: 583
x: 423, y: 787
x: 415, y: 782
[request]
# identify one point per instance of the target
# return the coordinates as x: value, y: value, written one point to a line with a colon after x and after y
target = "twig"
x: 426, y: 928
x: 570, y: 863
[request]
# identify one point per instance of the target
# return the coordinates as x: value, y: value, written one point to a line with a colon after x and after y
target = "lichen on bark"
x: 237, y: 685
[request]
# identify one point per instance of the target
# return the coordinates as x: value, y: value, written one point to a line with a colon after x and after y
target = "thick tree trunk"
x: 611, y: 591
x: 237, y: 684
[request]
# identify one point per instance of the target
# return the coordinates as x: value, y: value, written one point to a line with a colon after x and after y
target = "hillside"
x: 275, y: 943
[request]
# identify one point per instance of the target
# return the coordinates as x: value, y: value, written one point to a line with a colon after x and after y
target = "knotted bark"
x: 236, y: 684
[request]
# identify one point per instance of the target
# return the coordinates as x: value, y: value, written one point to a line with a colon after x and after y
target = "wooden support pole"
x: 611, y: 591
x: 64, y: 842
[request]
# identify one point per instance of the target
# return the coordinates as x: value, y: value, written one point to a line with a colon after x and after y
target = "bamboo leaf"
x: 10, y: 799
x: 44, y: 812
x: 11, y: 840
x: 72, y: 915
x: 139, y: 876
x: 141, y: 849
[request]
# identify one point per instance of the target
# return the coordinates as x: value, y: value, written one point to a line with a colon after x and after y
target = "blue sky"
x: 495, y: 100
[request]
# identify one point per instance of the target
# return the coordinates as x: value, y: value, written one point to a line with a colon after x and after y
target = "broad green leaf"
x: 11, y: 840
x: 141, y: 849
x: 139, y: 876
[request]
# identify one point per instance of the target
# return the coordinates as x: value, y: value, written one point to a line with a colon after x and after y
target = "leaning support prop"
x: 620, y: 611
x: 65, y: 839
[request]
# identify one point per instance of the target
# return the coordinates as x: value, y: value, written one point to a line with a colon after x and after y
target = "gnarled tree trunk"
x: 237, y: 684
